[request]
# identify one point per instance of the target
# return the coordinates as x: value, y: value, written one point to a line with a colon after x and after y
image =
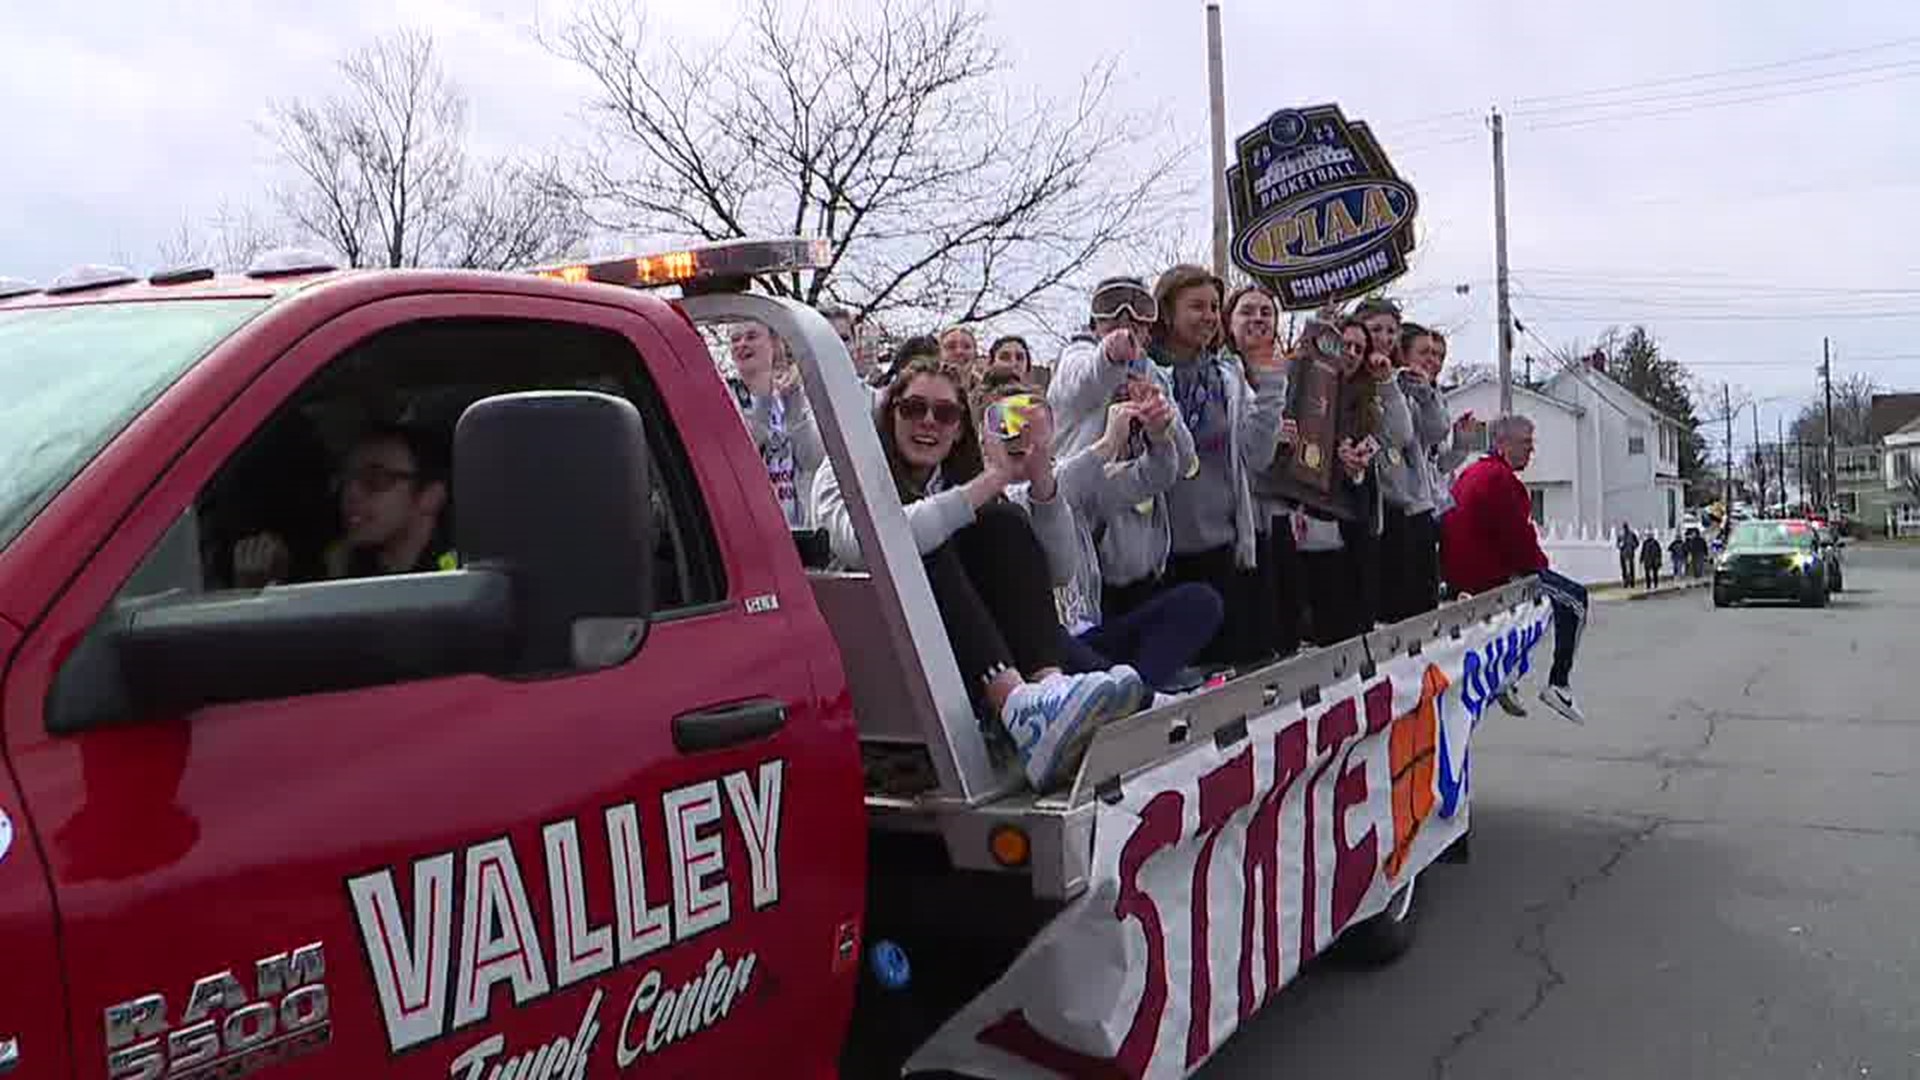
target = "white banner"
x: 1219, y: 874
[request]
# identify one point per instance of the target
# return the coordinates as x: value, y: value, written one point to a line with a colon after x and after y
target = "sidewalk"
x: 1617, y: 593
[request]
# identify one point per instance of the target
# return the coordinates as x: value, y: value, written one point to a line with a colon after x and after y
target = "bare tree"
x: 882, y: 130
x: 381, y: 174
x: 513, y: 216
x: 230, y: 239
x: 1852, y: 406
x: 378, y: 169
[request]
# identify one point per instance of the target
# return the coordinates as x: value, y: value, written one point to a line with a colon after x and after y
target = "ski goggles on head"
x: 1124, y: 299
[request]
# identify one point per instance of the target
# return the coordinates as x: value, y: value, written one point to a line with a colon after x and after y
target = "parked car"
x: 1778, y: 560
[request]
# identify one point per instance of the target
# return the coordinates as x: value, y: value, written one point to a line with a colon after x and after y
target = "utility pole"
x: 1826, y: 376
x: 1217, y: 93
x: 1759, y: 462
x: 1726, y: 412
x: 1780, y: 453
x: 1806, y: 494
x: 1500, y: 263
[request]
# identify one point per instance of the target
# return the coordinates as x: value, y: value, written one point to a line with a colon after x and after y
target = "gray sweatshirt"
x: 1117, y: 541
x: 1416, y: 420
x: 1133, y: 546
x: 934, y: 519
x: 1253, y: 416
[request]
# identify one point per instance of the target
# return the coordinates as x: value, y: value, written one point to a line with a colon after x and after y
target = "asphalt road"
x: 1718, y: 876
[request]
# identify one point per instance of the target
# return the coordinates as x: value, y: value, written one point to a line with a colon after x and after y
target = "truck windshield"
x: 71, y: 378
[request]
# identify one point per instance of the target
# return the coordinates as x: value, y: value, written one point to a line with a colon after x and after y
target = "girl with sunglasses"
x: 996, y: 538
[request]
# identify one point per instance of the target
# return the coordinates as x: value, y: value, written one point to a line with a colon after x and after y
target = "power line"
x: 1703, y: 281
x: 1587, y: 121
x: 1703, y: 76
x: 1715, y: 91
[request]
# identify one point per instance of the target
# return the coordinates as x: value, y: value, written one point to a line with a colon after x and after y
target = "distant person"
x: 959, y: 347
x: 1650, y: 557
x: 1677, y: 556
x: 1698, y: 552
x: 847, y: 326
x: 1488, y: 540
x: 1010, y: 357
x: 1628, y: 543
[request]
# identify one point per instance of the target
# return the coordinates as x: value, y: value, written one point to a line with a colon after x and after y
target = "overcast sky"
x: 1740, y: 217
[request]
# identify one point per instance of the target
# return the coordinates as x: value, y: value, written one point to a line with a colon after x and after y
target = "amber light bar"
x: 730, y: 260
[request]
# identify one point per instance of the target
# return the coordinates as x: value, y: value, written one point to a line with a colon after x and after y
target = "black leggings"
x: 995, y: 594
x: 1409, y: 565
x: 1283, y: 587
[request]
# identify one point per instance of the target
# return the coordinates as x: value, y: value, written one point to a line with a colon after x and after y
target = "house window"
x: 1902, y: 465
x: 1673, y: 509
x: 1539, y: 499
x: 1847, y: 502
x: 1636, y: 444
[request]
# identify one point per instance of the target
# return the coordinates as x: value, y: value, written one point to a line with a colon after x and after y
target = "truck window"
x: 376, y: 425
x: 72, y: 377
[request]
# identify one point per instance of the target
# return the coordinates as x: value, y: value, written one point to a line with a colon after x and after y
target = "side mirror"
x: 555, y: 533
x: 553, y: 488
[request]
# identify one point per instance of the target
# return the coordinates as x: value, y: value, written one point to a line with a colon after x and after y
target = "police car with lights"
x: 1778, y: 560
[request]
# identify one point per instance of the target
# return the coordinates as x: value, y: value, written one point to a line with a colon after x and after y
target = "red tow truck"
x: 634, y: 788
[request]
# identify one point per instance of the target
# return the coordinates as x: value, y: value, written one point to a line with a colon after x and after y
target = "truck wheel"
x: 1720, y: 597
x: 1819, y: 597
x: 1387, y: 936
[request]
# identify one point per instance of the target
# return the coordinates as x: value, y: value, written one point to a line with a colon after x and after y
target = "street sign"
x: 1319, y: 215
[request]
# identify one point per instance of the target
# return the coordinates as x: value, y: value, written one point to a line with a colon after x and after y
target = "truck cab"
x: 591, y: 799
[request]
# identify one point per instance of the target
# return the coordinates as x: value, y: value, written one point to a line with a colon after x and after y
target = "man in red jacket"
x: 1488, y: 539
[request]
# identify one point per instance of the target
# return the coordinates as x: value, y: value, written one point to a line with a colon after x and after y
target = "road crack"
x: 1532, y: 944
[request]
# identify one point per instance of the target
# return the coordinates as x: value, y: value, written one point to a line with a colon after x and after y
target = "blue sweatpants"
x: 1157, y: 639
x: 1569, y: 600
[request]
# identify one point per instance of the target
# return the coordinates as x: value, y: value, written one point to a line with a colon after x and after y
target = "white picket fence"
x: 1586, y: 553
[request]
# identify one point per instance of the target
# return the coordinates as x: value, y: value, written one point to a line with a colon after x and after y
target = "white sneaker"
x: 1560, y: 700
x: 1050, y: 721
x: 1135, y: 694
x: 1510, y: 701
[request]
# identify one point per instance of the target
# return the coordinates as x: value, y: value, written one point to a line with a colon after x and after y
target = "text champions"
x: 457, y: 944
x: 1216, y: 877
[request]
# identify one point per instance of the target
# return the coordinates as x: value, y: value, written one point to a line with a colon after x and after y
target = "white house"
x: 1602, y: 455
x: 1900, y: 460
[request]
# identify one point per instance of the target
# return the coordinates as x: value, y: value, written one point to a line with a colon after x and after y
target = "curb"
x: 1620, y: 594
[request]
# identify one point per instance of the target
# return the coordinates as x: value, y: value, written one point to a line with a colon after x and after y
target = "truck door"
x: 33, y: 1022
x: 653, y: 866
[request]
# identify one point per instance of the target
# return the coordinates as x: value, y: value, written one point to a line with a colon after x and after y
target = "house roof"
x: 1480, y: 378
x: 1890, y: 413
x: 1608, y: 386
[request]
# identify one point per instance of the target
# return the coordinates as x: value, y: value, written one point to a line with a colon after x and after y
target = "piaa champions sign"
x: 1319, y: 215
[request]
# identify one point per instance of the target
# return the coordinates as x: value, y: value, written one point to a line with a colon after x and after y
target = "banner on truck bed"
x: 1217, y: 875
